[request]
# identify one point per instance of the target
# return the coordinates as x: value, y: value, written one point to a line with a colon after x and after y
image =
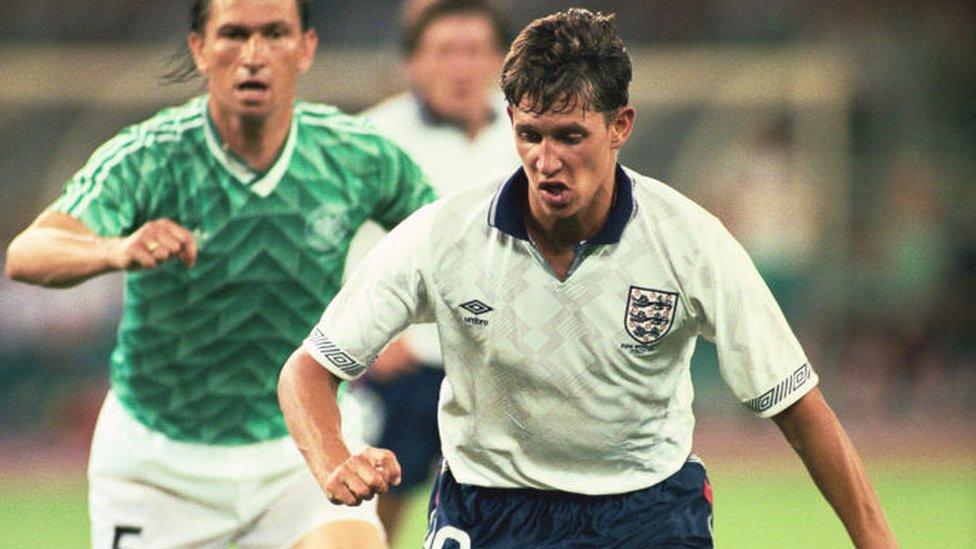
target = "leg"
x: 390, y: 508
x: 126, y: 514
x: 342, y: 535
x: 130, y: 504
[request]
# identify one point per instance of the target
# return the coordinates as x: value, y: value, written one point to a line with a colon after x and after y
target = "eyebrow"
x: 562, y: 128
x: 264, y: 27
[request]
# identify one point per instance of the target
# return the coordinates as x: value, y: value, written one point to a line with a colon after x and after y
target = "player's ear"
x: 621, y: 126
x: 195, y: 42
x: 310, y: 41
x: 511, y: 114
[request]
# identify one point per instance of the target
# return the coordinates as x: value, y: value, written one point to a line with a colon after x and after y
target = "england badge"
x: 650, y: 313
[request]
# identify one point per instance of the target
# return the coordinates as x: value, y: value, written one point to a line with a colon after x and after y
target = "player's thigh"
x: 126, y: 513
x: 302, y: 516
x: 132, y: 500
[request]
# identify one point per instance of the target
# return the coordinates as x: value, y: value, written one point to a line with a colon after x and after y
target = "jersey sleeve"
x: 404, y: 188
x: 383, y: 295
x: 104, y: 194
x: 760, y: 358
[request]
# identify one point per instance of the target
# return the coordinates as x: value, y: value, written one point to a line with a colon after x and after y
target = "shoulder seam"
x: 140, y: 137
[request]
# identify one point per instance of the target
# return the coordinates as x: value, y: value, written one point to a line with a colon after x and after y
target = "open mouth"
x: 252, y: 89
x: 554, y: 193
x: 252, y: 85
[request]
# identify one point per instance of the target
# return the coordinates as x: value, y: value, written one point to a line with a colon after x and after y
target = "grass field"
x: 930, y: 506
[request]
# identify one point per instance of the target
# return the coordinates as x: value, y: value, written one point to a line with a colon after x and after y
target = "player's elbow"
x: 15, y: 264
x: 18, y: 266
x: 302, y: 373
x: 286, y: 378
x: 28, y: 261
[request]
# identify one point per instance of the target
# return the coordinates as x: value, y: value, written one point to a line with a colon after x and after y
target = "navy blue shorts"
x: 409, y: 409
x: 676, y: 512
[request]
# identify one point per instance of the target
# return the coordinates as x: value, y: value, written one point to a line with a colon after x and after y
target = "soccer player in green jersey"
x: 232, y: 216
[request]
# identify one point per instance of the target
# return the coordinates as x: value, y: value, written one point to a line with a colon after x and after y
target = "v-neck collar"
x: 506, y: 212
x: 258, y: 182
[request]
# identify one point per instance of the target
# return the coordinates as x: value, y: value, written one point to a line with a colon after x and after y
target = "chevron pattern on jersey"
x: 199, y: 350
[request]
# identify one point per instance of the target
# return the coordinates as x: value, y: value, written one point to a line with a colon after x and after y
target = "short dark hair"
x: 413, y: 28
x: 574, y: 55
x: 185, y: 69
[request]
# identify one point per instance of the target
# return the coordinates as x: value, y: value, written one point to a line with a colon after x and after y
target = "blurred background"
x: 836, y: 139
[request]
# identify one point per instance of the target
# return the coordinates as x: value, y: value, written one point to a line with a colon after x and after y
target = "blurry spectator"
x: 783, y: 240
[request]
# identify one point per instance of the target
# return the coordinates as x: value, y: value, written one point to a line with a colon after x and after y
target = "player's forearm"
x: 56, y: 257
x: 817, y: 436
x: 307, y: 396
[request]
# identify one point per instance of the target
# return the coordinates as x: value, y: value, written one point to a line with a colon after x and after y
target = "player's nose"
x: 254, y: 52
x: 547, y: 162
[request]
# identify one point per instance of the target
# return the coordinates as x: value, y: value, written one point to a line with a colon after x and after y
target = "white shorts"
x: 146, y: 490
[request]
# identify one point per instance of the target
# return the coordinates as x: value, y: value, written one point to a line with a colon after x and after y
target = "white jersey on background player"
x: 581, y: 385
x: 451, y: 160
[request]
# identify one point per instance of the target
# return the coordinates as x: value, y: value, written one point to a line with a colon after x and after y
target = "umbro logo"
x: 476, y: 308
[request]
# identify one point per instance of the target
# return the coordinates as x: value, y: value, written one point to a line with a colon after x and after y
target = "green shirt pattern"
x: 199, y: 349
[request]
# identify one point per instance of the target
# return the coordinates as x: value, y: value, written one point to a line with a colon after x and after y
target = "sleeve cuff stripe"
x: 777, y: 394
x: 325, y: 348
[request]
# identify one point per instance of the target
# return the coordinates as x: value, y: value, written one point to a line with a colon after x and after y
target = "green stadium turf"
x: 929, y: 507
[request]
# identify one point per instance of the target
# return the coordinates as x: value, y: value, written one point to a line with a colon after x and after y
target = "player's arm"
x: 382, y: 296
x: 813, y: 430
x: 401, y: 189
x: 307, y: 395
x: 763, y: 363
x: 59, y: 250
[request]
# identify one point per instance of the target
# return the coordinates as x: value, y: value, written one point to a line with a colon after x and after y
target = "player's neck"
x: 565, y: 233
x: 473, y: 124
x: 255, y: 140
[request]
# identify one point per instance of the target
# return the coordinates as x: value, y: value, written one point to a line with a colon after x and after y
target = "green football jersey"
x: 199, y: 349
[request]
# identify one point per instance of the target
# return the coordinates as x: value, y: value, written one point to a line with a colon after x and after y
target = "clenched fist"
x: 362, y: 476
x: 155, y: 243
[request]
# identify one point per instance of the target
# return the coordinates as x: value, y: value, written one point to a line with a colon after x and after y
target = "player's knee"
x: 342, y: 535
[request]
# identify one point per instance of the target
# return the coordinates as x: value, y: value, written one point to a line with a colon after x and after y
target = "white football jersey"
x: 581, y: 385
x: 451, y: 160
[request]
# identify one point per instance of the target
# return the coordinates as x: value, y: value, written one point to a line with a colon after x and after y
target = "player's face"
x: 252, y: 52
x: 569, y: 158
x: 455, y: 65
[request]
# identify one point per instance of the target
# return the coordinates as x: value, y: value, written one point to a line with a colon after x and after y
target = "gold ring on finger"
x: 151, y: 246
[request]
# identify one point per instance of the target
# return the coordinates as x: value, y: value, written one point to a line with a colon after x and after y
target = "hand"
x: 155, y: 243
x: 362, y: 476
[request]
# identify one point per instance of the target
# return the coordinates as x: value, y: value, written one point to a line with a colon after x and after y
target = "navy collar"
x: 506, y: 212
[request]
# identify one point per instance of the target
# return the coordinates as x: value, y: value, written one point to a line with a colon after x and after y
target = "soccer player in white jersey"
x: 452, y: 122
x: 568, y: 301
x: 232, y: 216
